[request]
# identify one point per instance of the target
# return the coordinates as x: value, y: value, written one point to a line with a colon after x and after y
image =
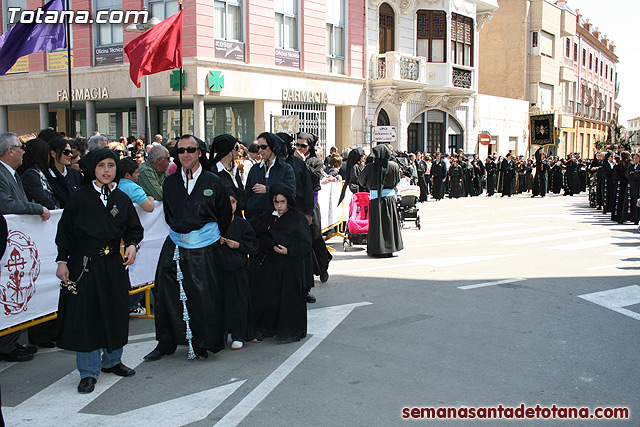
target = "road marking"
x: 513, y: 232
x: 604, y: 267
x: 630, y: 252
x: 616, y: 299
x: 457, y: 260
x: 380, y: 267
x: 473, y: 229
x: 548, y: 237
x: 586, y: 244
x: 446, y: 224
x: 321, y: 322
x: 485, y: 284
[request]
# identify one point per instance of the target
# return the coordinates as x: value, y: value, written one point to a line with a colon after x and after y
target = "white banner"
x: 29, y: 287
x: 330, y: 212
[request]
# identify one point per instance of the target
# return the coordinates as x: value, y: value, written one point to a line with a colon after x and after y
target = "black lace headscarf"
x: 311, y: 140
x: 89, y: 162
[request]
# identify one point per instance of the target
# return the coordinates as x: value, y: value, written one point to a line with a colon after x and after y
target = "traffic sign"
x: 484, y: 138
x: 384, y: 133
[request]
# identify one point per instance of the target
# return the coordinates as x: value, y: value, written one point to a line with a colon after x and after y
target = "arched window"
x: 383, y: 118
x: 386, y: 28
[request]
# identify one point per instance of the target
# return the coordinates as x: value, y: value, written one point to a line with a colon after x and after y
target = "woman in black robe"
x: 557, y: 177
x: 622, y: 209
x: 572, y: 179
x: 381, y: 177
x: 455, y: 177
x: 608, y: 183
x: 93, y: 312
x: 492, y: 176
x: 540, y: 179
x: 595, y: 169
x: 64, y: 180
x: 238, y: 243
x: 633, y: 175
x: 279, y: 298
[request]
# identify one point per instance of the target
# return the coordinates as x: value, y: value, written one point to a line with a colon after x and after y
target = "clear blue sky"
x: 618, y: 19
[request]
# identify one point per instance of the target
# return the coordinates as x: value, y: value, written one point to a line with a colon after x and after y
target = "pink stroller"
x: 358, y: 224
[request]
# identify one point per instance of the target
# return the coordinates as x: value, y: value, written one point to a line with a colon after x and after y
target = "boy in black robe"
x: 93, y: 309
x: 188, y: 292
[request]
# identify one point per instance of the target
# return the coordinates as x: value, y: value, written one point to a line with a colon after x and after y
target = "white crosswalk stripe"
x: 587, y: 244
x: 549, y: 237
x: 507, y: 233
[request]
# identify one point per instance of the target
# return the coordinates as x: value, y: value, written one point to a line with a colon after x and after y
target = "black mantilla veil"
x: 312, y: 140
x: 354, y: 157
x: 89, y: 162
x: 381, y: 156
x: 288, y: 142
x: 285, y: 190
x: 275, y: 143
x: 222, y: 145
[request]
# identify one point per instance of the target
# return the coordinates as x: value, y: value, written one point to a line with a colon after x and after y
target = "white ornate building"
x: 422, y: 77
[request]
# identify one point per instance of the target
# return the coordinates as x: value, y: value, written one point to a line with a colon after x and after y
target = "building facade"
x: 246, y: 62
x: 422, y: 59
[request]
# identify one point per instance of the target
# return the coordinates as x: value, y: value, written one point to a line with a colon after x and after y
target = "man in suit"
x: 13, y: 200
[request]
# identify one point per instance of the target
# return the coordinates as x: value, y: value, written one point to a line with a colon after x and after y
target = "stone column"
x: 4, y: 119
x: 198, y: 116
x: 90, y: 109
x: 44, y: 116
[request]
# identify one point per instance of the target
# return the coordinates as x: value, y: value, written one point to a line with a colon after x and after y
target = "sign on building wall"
x: 542, y: 129
x: 384, y: 133
x: 285, y: 124
x: 229, y: 50
x: 58, y: 60
x: 288, y: 58
x: 21, y: 66
x: 108, y: 55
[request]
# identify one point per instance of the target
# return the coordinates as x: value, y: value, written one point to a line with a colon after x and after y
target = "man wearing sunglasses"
x: 188, y: 285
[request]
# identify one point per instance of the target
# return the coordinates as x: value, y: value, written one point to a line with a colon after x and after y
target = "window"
x: 461, y: 40
x: 109, y: 34
x: 22, y: 4
x: 386, y: 28
x: 431, y: 35
x: 545, y: 95
x: 335, y: 36
x: 600, y: 68
x: 575, y: 52
x: 567, y: 48
x: 287, y: 24
x: 606, y: 72
x: 591, y: 61
x: 546, y: 44
x: 227, y: 18
x: 534, y: 39
x: 596, y: 68
x: 163, y: 9
x: 584, y: 57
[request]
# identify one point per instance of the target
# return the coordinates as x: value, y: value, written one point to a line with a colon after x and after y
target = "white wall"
x: 504, y: 118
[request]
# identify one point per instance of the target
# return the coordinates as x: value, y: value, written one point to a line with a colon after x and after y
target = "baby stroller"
x: 358, y: 224
x: 408, y: 196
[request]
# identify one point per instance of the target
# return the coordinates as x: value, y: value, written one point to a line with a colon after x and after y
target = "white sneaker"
x: 237, y: 345
x: 138, y: 311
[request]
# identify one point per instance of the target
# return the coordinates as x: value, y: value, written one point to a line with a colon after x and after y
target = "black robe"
x: 540, y: 180
x: 557, y: 180
x: 279, y: 296
x: 226, y: 178
x: 235, y: 277
x: 384, y: 236
x: 621, y: 208
x: 64, y: 186
x: 595, y: 168
x: 633, y: 175
x: 608, y: 187
x: 572, y: 178
x: 438, y: 173
x: 202, y: 268
x: 456, y: 174
x: 508, y: 170
x: 492, y: 177
x: 98, y: 315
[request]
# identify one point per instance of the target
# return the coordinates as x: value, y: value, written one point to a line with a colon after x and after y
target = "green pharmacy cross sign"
x: 216, y: 81
x: 174, y: 80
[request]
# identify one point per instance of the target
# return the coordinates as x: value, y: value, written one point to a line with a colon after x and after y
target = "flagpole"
x: 70, y: 131
x: 181, y: 128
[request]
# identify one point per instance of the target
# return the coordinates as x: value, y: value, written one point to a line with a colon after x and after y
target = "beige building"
x: 522, y: 57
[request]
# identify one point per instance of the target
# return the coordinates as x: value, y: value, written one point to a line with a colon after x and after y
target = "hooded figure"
x: 273, y: 168
x: 352, y: 178
x: 381, y: 177
x: 93, y: 308
x: 540, y: 179
x: 279, y: 292
x: 225, y: 168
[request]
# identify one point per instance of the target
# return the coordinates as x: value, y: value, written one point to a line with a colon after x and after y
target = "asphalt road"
x: 495, y: 301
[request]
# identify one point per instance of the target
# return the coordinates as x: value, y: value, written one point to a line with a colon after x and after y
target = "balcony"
x: 404, y: 72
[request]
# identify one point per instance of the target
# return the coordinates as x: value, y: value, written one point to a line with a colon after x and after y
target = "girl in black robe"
x: 238, y: 243
x: 279, y: 298
x: 93, y: 312
x: 381, y: 177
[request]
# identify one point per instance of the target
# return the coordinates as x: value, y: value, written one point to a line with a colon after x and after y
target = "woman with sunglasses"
x: 63, y: 179
x: 33, y: 174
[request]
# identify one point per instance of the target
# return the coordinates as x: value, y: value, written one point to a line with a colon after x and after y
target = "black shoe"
x: 87, y: 385
x: 310, y: 298
x: 44, y: 344
x: 201, y: 353
x: 120, y: 369
x: 161, y: 350
x: 16, y: 356
x: 324, y: 276
x: 26, y: 349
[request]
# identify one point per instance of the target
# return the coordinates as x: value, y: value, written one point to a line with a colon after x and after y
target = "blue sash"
x: 373, y: 194
x: 207, y: 235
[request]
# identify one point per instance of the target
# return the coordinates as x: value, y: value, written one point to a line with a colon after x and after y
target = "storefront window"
x: 171, y: 122
x: 234, y: 119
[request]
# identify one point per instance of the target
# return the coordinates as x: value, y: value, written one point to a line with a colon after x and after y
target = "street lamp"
x: 141, y: 28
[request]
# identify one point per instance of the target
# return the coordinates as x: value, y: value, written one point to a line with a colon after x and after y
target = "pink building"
x: 246, y: 62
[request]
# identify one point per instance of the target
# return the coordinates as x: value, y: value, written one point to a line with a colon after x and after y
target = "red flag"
x: 157, y: 49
